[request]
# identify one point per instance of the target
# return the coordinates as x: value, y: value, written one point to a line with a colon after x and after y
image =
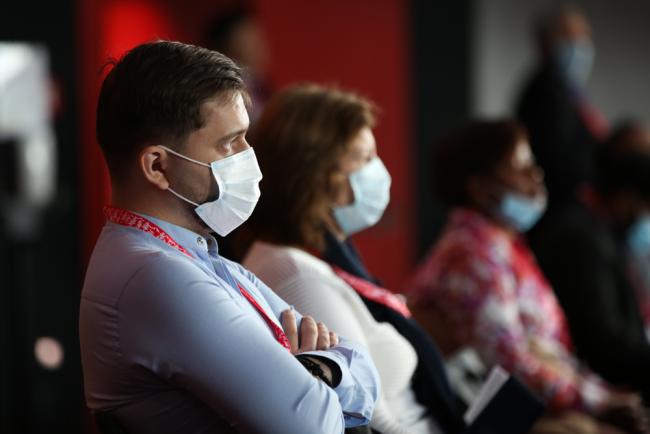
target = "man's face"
x: 222, y: 135
x: 573, y: 26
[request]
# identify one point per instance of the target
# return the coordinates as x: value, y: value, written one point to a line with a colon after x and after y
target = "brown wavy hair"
x: 299, y: 141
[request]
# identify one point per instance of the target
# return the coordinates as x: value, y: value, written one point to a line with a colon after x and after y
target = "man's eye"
x: 227, y: 147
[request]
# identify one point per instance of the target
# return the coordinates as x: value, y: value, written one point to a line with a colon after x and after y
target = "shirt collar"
x: 195, y: 243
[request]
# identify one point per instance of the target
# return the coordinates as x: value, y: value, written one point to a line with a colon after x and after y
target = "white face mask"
x: 371, y: 188
x: 238, y: 178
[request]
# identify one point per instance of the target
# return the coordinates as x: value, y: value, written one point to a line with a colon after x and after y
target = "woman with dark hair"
x: 481, y: 288
x: 323, y: 180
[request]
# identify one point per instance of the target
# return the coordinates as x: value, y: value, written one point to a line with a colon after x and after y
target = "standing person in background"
x: 565, y: 128
x: 481, y: 288
x: 175, y: 338
x: 236, y: 33
x: 583, y: 251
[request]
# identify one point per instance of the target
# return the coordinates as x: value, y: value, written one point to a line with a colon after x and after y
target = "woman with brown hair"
x: 323, y: 178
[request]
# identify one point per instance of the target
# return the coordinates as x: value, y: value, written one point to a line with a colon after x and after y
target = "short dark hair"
x: 155, y: 92
x: 621, y: 165
x: 299, y: 141
x: 473, y: 150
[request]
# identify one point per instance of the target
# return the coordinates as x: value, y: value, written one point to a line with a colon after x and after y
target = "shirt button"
x: 200, y: 241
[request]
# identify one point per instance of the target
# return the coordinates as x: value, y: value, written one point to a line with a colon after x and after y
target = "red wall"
x: 356, y: 44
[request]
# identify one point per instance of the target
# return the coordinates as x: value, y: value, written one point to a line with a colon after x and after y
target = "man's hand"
x: 313, y: 335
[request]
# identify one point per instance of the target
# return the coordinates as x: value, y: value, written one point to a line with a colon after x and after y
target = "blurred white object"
x: 467, y: 373
x: 492, y: 385
x: 25, y: 119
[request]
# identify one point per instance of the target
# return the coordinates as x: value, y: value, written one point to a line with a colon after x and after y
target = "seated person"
x: 175, y: 338
x: 582, y: 250
x: 635, y: 137
x: 480, y: 286
x: 323, y: 178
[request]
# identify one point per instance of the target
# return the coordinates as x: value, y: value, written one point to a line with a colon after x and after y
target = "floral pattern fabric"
x: 486, y: 284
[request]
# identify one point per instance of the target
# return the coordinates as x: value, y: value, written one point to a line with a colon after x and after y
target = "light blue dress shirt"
x: 170, y: 345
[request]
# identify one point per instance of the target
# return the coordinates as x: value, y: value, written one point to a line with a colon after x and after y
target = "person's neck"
x: 333, y: 228
x: 176, y: 214
x: 494, y: 220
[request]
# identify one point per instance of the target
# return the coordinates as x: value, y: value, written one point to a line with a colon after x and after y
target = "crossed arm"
x: 226, y: 357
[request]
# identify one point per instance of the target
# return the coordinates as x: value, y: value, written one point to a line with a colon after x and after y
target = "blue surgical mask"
x: 371, y: 188
x: 519, y: 211
x: 638, y: 236
x: 575, y: 59
x: 638, y: 246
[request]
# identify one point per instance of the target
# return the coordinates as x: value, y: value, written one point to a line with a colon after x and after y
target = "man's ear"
x: 153, y: 162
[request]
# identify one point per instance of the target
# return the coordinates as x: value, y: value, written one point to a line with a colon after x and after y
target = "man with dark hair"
x: 582, y: 250
x: 175, y: 338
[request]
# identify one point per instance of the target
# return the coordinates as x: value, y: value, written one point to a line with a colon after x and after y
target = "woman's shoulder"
x: 282, y: 263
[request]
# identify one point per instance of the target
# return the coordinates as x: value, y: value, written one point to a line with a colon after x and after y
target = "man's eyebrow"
x: 229, y: 137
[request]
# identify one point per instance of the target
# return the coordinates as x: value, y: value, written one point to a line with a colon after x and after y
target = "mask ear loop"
x: 182, y: 198
x: 220, y: 183
x: 184, y: 157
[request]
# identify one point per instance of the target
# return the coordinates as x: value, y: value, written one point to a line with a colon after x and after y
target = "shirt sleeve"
x: 314, y: 296
x: 194, y: 334
x: 359, y: 388
x: 480, y: 300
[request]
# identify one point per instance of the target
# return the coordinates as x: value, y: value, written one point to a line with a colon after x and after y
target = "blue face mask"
x: 638, y: 245
x: 519, y: 211
x: 576, y: 59
x: 638, y: 237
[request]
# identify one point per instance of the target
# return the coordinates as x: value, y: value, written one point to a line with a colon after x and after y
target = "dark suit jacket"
x: 559, y: 137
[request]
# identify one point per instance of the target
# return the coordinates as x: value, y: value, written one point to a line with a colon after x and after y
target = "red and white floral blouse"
x: 486, y: 284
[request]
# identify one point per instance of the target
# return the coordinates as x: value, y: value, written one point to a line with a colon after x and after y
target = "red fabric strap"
x: 280, y: 336
x: 127, y: 218
x: 374, y: 292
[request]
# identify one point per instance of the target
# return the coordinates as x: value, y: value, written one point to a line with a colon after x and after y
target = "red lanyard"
x: 374, y: 292
x: 277, y: 330
x: 127, y: 218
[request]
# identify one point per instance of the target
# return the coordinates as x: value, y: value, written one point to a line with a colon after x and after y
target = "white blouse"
x: 309, y: 284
